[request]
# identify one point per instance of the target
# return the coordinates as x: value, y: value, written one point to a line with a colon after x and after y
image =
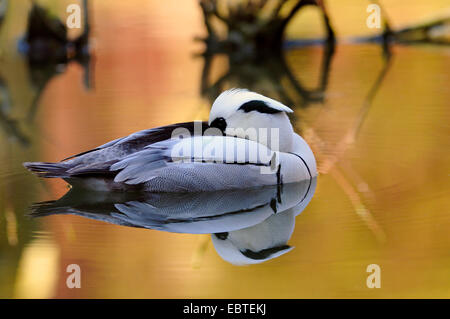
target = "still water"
x: 378, y: 125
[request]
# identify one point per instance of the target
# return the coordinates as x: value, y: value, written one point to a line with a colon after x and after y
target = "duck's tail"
x: 46, y: 209
x: 47, y: 170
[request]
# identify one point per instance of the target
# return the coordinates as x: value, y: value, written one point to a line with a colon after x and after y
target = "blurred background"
x: 372, y: 103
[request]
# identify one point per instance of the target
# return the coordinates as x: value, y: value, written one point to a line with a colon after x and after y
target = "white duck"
x: 247, y: 142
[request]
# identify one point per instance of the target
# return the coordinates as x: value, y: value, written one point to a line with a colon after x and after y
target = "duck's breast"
x: 293, y: 168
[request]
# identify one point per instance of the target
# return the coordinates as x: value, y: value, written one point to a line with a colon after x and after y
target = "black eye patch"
x: 219, y: 123
x: 221, y: 236
x: 258, y: 106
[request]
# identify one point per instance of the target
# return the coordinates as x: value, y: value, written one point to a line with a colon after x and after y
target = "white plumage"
x: 253, y: 144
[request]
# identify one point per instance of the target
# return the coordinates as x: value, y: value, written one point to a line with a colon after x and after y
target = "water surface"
x: 379, y: 128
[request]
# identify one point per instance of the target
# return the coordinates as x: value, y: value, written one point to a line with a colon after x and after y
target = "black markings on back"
x: 258, y: 106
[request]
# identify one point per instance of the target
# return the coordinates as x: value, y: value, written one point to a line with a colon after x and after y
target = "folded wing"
x: 196, y: 154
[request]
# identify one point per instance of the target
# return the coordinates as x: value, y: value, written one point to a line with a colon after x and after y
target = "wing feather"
x: 100, y: 159
x: 139, y: 140
x: 142, y: 166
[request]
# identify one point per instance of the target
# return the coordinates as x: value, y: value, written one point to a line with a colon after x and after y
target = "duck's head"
x: 259, y: 243
x: 245, y: 114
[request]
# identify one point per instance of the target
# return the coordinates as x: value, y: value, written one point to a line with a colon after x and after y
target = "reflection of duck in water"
x: 253, y: 145
x: 247, y: 226
x: 268, y: 239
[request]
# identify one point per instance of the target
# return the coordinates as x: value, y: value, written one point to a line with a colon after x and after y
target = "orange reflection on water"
x: 382, y: 195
